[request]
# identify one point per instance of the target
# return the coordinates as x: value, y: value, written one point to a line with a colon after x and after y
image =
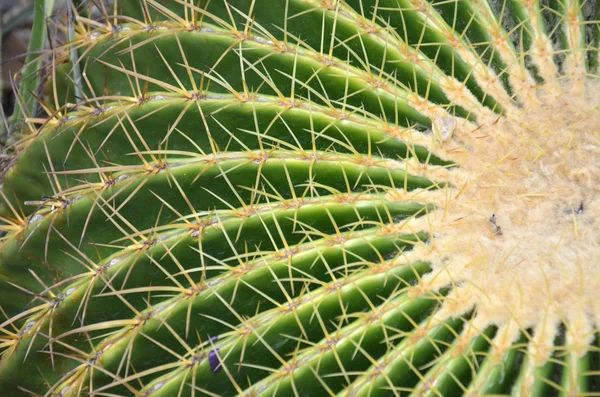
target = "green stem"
x: 74, y: 56
x: 25, y: 103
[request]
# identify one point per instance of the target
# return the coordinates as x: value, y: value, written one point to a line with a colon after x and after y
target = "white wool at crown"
x: 516, y: 231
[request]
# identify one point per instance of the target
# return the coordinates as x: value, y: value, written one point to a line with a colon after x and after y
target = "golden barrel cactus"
x: 307, y: 198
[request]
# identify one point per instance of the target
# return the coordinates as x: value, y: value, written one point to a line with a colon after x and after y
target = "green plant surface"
x: 25, y: 102
x: 307, y: 198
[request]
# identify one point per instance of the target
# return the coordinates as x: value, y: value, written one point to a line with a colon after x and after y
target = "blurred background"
x: 16, y: 17
x: 16, y: 22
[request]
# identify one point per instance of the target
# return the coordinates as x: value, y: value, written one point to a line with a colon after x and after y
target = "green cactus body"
x: 309, y: 198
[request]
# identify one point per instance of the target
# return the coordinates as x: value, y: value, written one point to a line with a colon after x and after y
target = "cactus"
x: 308, y: 197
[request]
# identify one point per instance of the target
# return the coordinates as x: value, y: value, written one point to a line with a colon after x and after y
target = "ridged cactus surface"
x: 309, y: 198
